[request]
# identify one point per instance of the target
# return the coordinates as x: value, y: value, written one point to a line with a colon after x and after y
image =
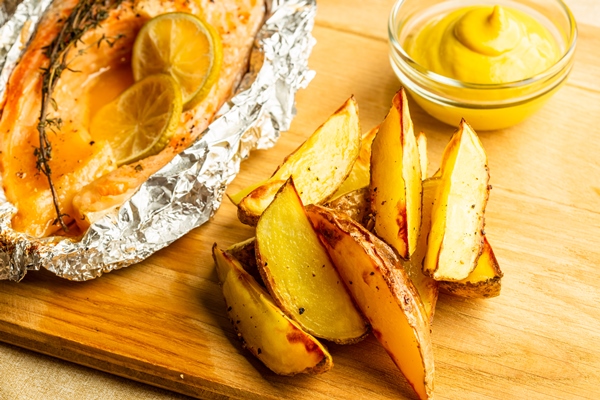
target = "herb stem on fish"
x: 85, y: 16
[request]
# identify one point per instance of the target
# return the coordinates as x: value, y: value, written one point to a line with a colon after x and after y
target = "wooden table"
x: 163, y: 321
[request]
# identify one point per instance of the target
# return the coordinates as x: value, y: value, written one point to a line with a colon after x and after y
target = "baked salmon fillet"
x: 85, y: 174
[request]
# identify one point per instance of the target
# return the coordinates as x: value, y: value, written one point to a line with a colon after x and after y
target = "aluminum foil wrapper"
x: 186, y: 192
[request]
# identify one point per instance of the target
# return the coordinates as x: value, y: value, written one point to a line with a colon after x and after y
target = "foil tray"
x: 186, y: 192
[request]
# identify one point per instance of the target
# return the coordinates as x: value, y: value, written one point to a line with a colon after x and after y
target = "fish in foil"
x: 88, y: 181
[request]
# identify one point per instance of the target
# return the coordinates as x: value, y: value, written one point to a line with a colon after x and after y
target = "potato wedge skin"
x: 483, y: 283
x: 382, y: 289
x: 316, y: 177
x: 455, y: 240
x: 299, y: 275
x: 263, y: 328
x: 396, y: 179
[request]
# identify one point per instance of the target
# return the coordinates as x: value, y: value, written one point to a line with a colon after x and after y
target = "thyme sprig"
x: 85, y: 16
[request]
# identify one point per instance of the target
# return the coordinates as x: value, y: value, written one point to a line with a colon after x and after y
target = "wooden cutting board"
x: 163, y: 321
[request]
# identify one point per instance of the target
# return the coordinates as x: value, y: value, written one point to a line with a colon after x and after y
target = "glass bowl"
x: 484, y: 106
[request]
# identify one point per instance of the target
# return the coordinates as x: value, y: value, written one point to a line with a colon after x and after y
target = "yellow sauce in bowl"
x: 484, y: 44
x: 492, y: 64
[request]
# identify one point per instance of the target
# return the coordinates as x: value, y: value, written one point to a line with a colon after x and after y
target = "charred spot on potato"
x: 366, y: 276
x: 330, y: 235
x: 376, y: 333
x: 297, y: 336
x: 400, y: 220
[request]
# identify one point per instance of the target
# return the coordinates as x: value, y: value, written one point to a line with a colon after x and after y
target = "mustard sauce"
x: 485, y: 45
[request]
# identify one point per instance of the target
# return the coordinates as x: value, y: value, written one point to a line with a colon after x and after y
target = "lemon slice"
x: 142, y: 120
x: 183, y: 46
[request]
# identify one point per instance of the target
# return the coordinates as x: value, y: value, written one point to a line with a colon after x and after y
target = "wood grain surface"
x: 163, y: 321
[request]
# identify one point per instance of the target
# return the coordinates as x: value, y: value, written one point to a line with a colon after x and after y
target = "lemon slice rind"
x: 183, y: 46
x: 142, y: 120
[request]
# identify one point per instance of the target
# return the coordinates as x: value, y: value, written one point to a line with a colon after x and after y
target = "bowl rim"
x: 562, y: 63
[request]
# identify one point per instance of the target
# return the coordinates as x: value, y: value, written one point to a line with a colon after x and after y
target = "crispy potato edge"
x: 311, y: 344
x: 395, y: 277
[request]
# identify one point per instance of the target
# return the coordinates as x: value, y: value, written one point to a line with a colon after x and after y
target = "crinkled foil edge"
x: 186, y: 192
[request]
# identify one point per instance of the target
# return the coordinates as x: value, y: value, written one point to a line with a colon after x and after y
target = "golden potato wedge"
x: 422, y: 146
x: 354, y: 204
x: 245, y: 253
x: 299, y: 275
x: 263, y: 328
x: 361, y: 171
x: 483, y: 282
x: 457, y: 218
x: 425, y: 285
x: 396, y: 180
x: 252, y: 206
x: 319, y: 165
x: 383, y: 291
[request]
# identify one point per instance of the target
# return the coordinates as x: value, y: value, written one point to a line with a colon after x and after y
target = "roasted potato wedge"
x: 425, y: 285
x: 316, y: 176
x: 356, y: 206
x: 483, y: 282
x: 299, y: 275
x: 263, y: 328
x: 457, y: 218
x: 383, y: 291
x: 361, y: 171
x: 396, y: 179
